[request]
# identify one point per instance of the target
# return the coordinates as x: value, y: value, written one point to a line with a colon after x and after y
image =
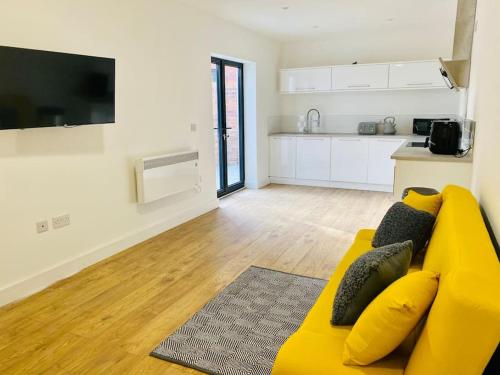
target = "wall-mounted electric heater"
x: 161, y: 176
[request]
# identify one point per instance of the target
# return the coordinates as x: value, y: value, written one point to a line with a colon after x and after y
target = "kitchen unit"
x: 282, y: 156
x: 415, y: 75
x: 334, y: 160
x: 313, y: 158
x: 380, y: 164
x: 360, y: 77
x: 409, y: 75
x: 349, y: 161
x: 306, y: 80
x: 417, y: 166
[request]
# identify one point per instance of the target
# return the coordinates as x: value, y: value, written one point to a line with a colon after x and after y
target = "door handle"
x: 419, y: 84
x: 223, y: 128
x: 359, y: 85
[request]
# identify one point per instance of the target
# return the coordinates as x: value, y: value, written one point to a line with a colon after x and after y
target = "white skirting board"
x: 45, y: 278
x: 332, y: 184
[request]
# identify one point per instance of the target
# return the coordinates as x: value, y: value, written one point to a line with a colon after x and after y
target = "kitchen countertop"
x: 424, y: 154
x: 341, y: 135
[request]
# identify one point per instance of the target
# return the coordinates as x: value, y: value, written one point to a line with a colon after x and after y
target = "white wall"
x: 484, y: 108
x: 372, y: 46
x: 162, y: 52
x: 341, y: 112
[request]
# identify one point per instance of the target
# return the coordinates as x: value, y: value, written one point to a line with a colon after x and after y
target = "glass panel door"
x: 227, y: 91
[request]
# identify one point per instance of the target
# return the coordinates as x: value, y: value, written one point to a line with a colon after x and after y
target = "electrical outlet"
x: 194, y: 127
x: 60, y: 221
x: 42, y: 226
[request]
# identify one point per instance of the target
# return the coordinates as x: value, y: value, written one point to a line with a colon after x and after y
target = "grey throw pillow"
x: 366, y: 277
x: 403, y: 223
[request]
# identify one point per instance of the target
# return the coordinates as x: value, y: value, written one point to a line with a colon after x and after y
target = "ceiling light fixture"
x: 285, y: 7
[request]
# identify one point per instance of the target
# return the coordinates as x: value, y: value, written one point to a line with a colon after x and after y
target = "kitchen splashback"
x: 349, y: 123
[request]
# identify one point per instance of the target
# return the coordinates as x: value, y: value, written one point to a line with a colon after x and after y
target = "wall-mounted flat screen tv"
x: 46, y: 89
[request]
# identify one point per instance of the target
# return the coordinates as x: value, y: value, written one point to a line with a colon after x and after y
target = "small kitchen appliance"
x: 422, y: 126
x: 390, y: 125
x: 445, y: 137
x: 367, y: 128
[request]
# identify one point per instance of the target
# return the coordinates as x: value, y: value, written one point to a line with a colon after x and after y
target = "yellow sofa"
x: 463, y: 325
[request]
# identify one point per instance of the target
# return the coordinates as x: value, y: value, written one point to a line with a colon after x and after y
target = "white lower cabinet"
x: 349, y: 160
x: 282, y: 155
x: 357, y: 162
x: 313, y: 158
x: 380, y: 164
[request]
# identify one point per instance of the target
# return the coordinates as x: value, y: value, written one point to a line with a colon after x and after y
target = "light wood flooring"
x: 107, y: 318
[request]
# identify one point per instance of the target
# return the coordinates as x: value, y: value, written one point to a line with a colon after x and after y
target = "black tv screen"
x: 45, y: 89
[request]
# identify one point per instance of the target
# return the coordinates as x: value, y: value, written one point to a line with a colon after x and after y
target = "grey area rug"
x: 240, y: 331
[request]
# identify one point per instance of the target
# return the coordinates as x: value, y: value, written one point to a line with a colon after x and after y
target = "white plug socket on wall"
x: 42, y: 226
x: 61, y: 221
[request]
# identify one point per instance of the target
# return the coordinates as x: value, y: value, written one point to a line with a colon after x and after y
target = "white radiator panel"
x: 165, y: 175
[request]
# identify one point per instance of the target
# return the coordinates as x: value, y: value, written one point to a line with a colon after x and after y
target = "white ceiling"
x: 306, y: 19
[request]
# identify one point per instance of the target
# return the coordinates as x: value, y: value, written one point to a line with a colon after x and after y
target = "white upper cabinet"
x: 282, y: 156
x: 313, y: 158
x: 306, y: 80
x: 349, y: 160
x: 380, y: 164
x: 413, y: 75
x: 360, y: 77
x: 363, y: 77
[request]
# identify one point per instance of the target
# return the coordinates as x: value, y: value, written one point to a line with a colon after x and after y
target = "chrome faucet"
x: 310, y: 120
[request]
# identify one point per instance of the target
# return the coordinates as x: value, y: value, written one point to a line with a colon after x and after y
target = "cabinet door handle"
x: 419, y: 84
x: 360, y: 85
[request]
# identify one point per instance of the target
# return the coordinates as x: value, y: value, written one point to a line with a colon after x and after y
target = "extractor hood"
x: 456, y: 72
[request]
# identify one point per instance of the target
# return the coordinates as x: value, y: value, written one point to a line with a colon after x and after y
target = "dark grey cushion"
x: 366, y: 277
x: 420, y: 190
x: 402, y: 223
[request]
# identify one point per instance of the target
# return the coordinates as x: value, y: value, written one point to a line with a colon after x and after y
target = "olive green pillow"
x: 366, y: 277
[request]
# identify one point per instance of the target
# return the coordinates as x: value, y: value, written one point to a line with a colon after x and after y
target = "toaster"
x: 367, y: 128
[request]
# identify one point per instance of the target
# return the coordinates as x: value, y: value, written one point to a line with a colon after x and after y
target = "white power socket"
x: 42, y: 226
x: 60, y: 221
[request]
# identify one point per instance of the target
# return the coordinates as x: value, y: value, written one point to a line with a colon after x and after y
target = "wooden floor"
x: 107, y: 318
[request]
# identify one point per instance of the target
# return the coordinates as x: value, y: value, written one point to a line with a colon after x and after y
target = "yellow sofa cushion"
x: 427, y: 203
x: 390, y: 318
x: 312, y: 353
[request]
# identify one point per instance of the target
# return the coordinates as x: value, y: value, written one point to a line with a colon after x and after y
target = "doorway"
x: 227, y: 101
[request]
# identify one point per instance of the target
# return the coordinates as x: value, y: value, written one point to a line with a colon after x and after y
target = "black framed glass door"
x: 227, y: 97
